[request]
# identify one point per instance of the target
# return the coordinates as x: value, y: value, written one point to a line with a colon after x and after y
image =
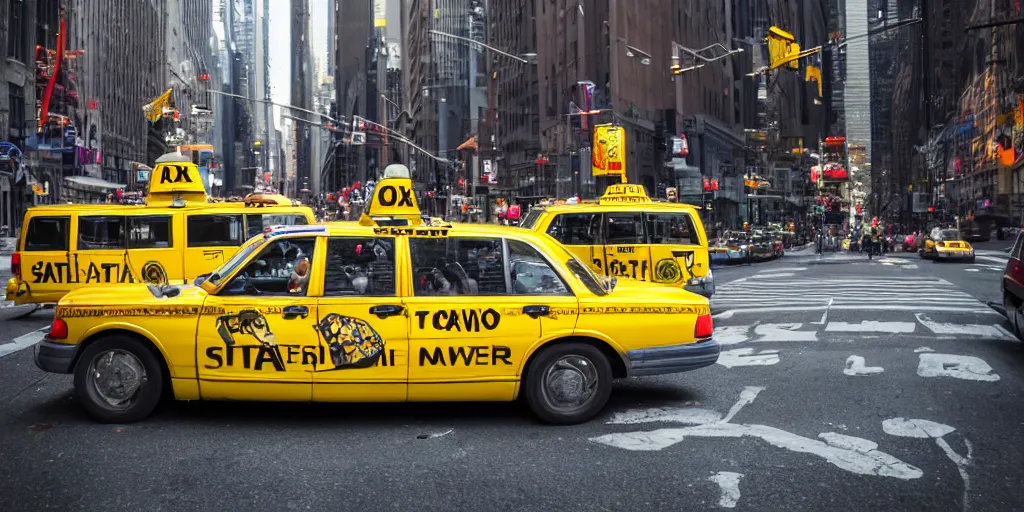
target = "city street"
x: 843, y: 384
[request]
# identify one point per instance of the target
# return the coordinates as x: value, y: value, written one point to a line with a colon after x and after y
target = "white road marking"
x: 747, y: 357
x: 853, y: 454
x: 783, y: 333
x: 824, y: 316
x: 984, y: 331
x: 956, y: 366
x: 972, y: 270
x: 872, y: 326
x: 855, y: 366
x: 925, y: 429
x: 684, y: 415
x: 991, y: 259
x: 906, y: 293
x: 729, y: 483
x: 779, y: 274
x: 22, y: 342
x: 922, y: 349
x: 731, y: 334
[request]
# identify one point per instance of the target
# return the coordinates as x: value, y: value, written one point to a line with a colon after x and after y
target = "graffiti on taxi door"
x: 250, y: 344
x: 634, y: 269
x: 459, y: 320
x: 71, y: 271
x: 480, y: 355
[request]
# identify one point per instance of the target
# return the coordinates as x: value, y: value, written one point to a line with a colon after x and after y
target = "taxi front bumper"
x: 55, y: 357
x: 672, y: 358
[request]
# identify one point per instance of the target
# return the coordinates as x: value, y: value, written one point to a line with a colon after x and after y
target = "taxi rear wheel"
x: 568, y: 383
x: 118, y: 380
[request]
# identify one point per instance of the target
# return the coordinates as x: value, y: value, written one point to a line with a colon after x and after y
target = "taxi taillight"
x: 58, y: 330
x: 704, y: 327
x: 16, y: 264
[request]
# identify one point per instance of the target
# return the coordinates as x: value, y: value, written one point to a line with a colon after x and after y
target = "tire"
x: 539, y: 397
x: 145, y: 397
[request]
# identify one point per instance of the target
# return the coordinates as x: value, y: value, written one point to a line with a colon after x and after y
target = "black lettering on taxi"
x: 69, y: 271
x: 278, y: 357
x: 389, y: 195
x: 466, y: 355
x: 460, y: 320
x: 180, y: 176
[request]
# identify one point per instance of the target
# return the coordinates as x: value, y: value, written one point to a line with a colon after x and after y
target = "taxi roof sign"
x: 393, y: 201
x: 625, y: 193
x: 174, y: 181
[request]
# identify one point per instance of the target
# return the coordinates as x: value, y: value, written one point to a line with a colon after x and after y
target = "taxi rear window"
x: 531, y: 218
x: 47, y: 234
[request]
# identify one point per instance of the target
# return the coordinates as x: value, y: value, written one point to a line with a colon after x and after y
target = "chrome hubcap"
x: 116, y: 377
x: 570, y: 383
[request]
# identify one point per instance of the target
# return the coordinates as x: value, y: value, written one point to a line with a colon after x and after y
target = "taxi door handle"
x: 386, y: 310
x: 536, y: 311
x: 291, y: 312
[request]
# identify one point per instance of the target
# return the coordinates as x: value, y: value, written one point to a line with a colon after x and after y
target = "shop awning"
x: 88, y: 183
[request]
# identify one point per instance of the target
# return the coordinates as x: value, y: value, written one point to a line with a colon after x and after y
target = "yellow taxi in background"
x: 175, y: 237
x: 625, y: 234
x: 387, y: 309
x: 947, y: 244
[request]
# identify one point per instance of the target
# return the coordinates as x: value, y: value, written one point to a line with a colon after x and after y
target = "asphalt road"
x: 845, y: 384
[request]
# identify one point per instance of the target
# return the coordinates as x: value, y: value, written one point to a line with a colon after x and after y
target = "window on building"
x: 101, y: 232
x: 16, y: 96
x: 17, y: 32
x: 360, y: 267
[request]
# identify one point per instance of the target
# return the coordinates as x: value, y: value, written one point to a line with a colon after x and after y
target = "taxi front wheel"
x: 568, y: 383
x: 118, y: 380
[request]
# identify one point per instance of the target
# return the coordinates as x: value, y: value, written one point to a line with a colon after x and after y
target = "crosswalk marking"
x: 22, y: 342
x: 867, y: 293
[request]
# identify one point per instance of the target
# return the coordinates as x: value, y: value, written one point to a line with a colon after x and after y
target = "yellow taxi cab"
x: 625, y: 234
x: 947, y: 244
x: 386, y: 309
x: 175, y: 237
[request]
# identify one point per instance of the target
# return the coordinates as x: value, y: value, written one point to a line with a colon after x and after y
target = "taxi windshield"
x: 229, y: 266
x: 949, y: 234
x: 587, y: 276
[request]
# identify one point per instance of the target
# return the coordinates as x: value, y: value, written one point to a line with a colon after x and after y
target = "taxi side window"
x: 624, y: 228
x: 458, y: 266
x: 101, y: 232
x: 215, y: 230
x: 531, y: 272
x: 47, y: 234
x: 671, y: 228
x: 576, y: 228
x: 150, y: 232
x: 283, y: 267
x: 360, y: 267
x: 258, y: 222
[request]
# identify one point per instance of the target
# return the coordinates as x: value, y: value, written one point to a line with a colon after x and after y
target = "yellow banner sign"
x: 609, y: 151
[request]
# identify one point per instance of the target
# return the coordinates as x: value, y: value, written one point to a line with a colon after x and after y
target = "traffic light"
x: 783, y: 50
